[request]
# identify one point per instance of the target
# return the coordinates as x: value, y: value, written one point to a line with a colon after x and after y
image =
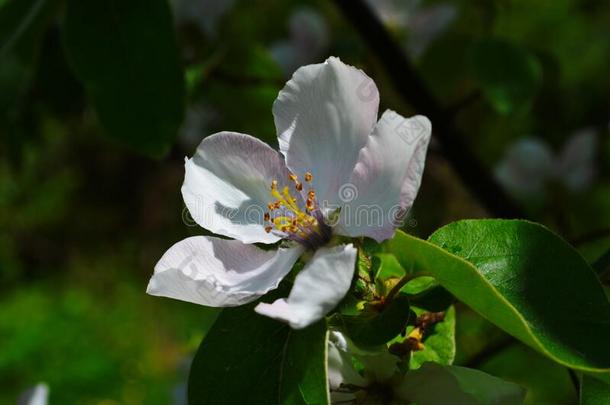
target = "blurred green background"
x: 101, y: 100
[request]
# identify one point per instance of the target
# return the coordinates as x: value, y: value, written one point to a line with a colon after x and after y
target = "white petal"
x: 317, y: 289
x: 341, y: 369
x: 526, y: 168
x: 219, y: 272
x: 323, y: 117
x: 226, y: 185
x: 39, y: 395
x: 575, y: 167
x: 386, y: 178
x: 379, y: 365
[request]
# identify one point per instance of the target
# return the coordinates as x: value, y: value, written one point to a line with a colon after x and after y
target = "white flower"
x: 340, y: 172
x: 530, y: 165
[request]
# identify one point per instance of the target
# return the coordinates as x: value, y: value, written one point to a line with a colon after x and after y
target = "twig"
x: 591, y: 236
x: 459, y: 105
x: 401, y: 283
x: 574, y: 379
x: 411, y: 87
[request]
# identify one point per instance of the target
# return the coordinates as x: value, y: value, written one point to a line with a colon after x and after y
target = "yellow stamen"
x: 415, y: 339
x: 296, y: 219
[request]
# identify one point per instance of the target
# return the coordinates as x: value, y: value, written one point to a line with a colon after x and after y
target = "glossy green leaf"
x: 433, y: 384
x: 250, y: 359
x: 125, y: 53
x: 508, y: 75
x: 594, y: 391
x: 523, y: 278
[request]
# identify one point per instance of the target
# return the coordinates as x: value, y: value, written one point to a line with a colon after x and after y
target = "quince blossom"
x: 340, y: 173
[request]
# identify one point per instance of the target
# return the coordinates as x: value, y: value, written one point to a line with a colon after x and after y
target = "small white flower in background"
x: 38, y: 395
x: 530, y: 165
x: 338, y: 165
x: 199, y: 117
x: 423, y: 23
x: 204, y: 14
x: 427, y: 24
x: 309, y: 38
x: 393, y: 13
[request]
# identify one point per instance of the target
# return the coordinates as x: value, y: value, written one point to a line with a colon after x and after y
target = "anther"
x: 267, y: 216
x: 298, y: 185
x: 273, y: 184
x: 292, y: 177
x: 268, y: 229
x: 308, y: 177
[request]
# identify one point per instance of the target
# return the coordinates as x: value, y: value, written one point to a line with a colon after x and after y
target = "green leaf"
x: 433, y: 384
x: 126, y: 54
x: 424, y: 292
x: 509, y: 76
x: 439, y: 342
x: 372, y: 329
x: 387, y: 272
x: 594, y: 391
x: 250, y: 359
x: 523, y: 278
x: 546, y: 381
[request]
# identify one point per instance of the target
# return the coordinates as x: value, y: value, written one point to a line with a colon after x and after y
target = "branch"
x: 411, y: 87
x: 591, y: 236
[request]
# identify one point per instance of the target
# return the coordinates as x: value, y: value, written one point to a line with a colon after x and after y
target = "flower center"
x: 286, y: 216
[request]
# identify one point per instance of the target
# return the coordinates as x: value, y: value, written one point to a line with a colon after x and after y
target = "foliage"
x: 266, y: 363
